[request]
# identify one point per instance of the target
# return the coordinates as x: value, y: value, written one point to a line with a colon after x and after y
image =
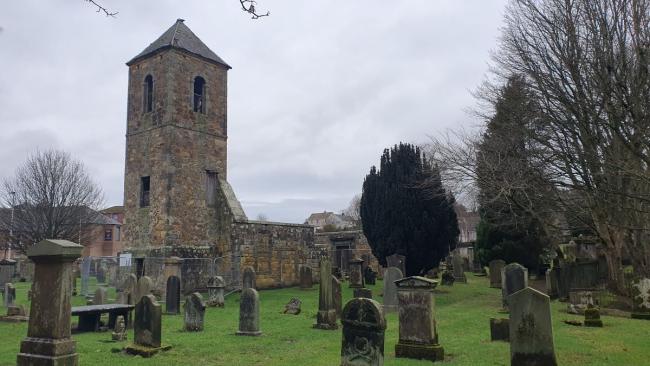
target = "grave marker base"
x: 50, y: 352
x: 249, y: 334
x: 433, y: 352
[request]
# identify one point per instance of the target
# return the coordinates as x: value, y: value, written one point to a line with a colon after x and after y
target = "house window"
x: 199, y: 94
x: 108, y: 234
x: 210, y: 187
x: 148, y: 94
x: 144, y: 191
x: 118, y: 233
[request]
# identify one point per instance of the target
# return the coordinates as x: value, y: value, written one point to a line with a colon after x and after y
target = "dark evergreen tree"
x: 406, y: 210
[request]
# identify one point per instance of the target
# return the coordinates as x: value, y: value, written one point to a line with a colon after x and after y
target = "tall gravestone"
x: 326, y: 316
x: 398, y: 261
x: 337, y: 296
x: 531, y: 329
x: 100, y: 296
x: 391, y: 275
x: 49, y: 340
x: 147, y: 328
x: 7, y: 271
x: 194, y: 312
x: 551, y: 283
x: 418, y: 337
x: 9, y: 294
x: 364, y: 329
x: 514, y: 277
x: 306, y: 280
x: 641, y: 299
x: 249, y: 278
x: 495, y: 272
x: 459, y: 269
x: 85, y: 274
x: 356, y: 273
x: 249, y: 313
x: 216, y: 286
x: 144, y: 287
x: 173, y: 295
x: 131, y: 288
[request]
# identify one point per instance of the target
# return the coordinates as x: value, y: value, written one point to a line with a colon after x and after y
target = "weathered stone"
x: 147, y: 328
x: 592, y: 317
x: 369, y: 276
x: 398, y: 261
x: 326, y: 316
x: 293, y: 307
x: 173, y: 295
x: 7, y: 271
x: 336, y: 296
x: 306, y: 279
x: 531, y: 329
x: 249, y: 278
x: 16, y: 310
x: 362, y: 292
x: 249, y: 313
x: 48, y: 340
x: 9, y: 294
x: 418, y: 337
x: 447, y: 278
x: 363, y: 333
x: 216, y: 286
x: 495, y: 272
x: 499, y: 329
x: 551, y: 283
x: 356, y: 273
x: 122, y: 298
x: 641, y: 299
x: 85, y: 275
x: 119, y: 332
x: 459, y: 269
x: 100, y: 297
x: 131, y: 289
x: 391, y: 275
x: 514, y: 277
x: 194, y: 312
x: 144, y: 287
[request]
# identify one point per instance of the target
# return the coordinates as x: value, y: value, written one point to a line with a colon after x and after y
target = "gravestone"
x: 249, y: 278
x: 147, y: 327
x: 418, y: 337
x: 551, y: 283
x: 9, y: 294
x: 499, y: 329
x: 122, y: 298
x: 306, y: 279
x: 144, y: 287
x: 356, y: 273
x: 362, y: 292
x: 447, y: 278
x: 7, y: 271
x: 326, y: 316
x: 495, y: 272
x: 592, y: 317
x: 100, y: 297
x: 216, y: 286
x: 336, y: 296
x: 641, y: 299
x: 131, y: 288
x: 49, y: 340
x: 459, y: 269
x: 249, y: 313
x: 74, y: 284
x: 391, y: 275
x: 363, y: 333
x: 514, y: 277
x: 194, y: 312
x: 531, y: 329
x: 369, y: 276
x: 173, y: 295
x: 101, y: 273
x: 119, y: 333
x: 85, y: 274
x: 398, y: 261
x: 293, y: 307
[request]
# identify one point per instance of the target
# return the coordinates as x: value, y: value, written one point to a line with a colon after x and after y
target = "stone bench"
x: 90, y: 315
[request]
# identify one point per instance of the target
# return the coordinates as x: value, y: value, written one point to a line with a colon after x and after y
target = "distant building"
x: 115, y: 212
x: 337, y: 221
x: 467, y: 223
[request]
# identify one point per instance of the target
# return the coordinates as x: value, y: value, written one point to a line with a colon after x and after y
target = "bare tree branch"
x: 249, y: 7
x: 101, y: 9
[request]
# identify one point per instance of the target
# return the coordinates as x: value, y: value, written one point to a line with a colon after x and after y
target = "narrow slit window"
x: 148, y: 94
x: 199, y: 94
x: 144, y: 191
x: 210, y: 187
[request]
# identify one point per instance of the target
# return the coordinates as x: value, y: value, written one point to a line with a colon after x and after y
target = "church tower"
x: 175, y: 146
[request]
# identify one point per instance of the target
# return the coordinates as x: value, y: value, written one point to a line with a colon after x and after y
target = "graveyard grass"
x: 463, y: 313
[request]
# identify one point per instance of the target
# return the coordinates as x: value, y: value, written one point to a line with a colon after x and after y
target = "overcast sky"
x: 317, y: 90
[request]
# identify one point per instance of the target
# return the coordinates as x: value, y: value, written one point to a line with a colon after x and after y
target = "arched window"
x: 148, y: 94
x: 199, y: 94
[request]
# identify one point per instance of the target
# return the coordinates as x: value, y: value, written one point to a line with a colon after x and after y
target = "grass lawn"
x: 463, y: 313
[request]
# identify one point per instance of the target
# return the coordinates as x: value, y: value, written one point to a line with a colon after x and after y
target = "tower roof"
x: 179, y: 36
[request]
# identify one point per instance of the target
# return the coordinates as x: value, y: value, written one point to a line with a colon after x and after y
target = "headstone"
x: 173, y: 295
x: 326, y: 316
x: 641, y: 299
x: 216, y: 286
x: 147, y: 328
x: 50, y: 310
x: 531, y: 329
x: 499, y: 329
x: 336, y: 296
x: 592, y: 317
x: 459, y: 269
x: 398, y: 261
x: 9, y: 294
x: 101, y: 273
x: 293, y: 307
x: 74, y: 284
x: 306, y: 278
x: 418, y: 337
x: 85, y: 275
x: 356, y: 273
x: 122, y: 298
x: 119, y: 333
x: 447, y: 278
x: 495, y: 272
x: 391, y: 275
x: 7, y: 271
x: 362, y: 292
x: 369, y: 276
x: 514, y: 277
x: 249, y: 278
x: 144, y: 287
x: 363, y: 333
x: 551, y: 283
x: 100, y: 297
x: 194, y: 312
x: 131, y: 288
x: 249, y: 313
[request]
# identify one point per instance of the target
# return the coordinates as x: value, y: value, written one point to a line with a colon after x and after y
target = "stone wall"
x: 357, y: 242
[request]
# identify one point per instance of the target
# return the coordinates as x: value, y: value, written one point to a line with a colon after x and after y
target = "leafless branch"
x: 101, y: 9
x: 249, y: 7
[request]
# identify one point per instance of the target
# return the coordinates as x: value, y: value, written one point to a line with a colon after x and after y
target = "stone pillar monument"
x: 48, y: 340
x: 326, y: 316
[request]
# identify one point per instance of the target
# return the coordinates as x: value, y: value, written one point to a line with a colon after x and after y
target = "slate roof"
x: 179, y: 36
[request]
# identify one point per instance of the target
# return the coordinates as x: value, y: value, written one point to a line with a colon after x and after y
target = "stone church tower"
x: 175, y: 186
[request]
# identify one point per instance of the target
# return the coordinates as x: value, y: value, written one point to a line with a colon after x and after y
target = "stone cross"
x: 216, y: 286
x: 495, y: 272
x: 396, y: 260
x: 249, y: 313
x: 119, y: 333
x: 356, y: 273
x: 49, y: 340
x: 144, y: 287
x: 9, y: 294
x: 173, y: 295
x: 147, y: 327
x: 514, y: 277
x: 418, y: 337
x: 305, y: 278
x: 363, y: 333
x: 391, y: 275
x: 336, y: 296
x: 249, y: 278
x: 531, y: 330
x: 641, y: 299
x: 459, y: 269
x: 131, y: 288
x: 100, y: 296
x: 85, y: 275
x: 194, y: 312
x: 326, y: 316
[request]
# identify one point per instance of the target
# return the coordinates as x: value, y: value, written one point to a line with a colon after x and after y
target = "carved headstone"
x: 326, y: 316
x: 495, y: 272
x: 391, y: 275
x: 85, y: 275
x: 363, y: 333
x: 336, y: 296
x: 216, y: 286
x: 122, y: 298
x: 641, y: 299
x: 447, y: 278
x: 531, y: 329
x: 249, y: 313
x: 7, y: 271
x: 144, y: 287
x: 100, y: 297
x: 499, y: 329
x: 173, y: 295
x: 459, y: 269
x: 306, y: 279
x: 194, y: 312
x: 592, y: 317
x: 551, y: 283
x: 249, y: 278
x: 293, y: 307
x: 356, y: 273
x: 119, y: 333
x: 9, y: 294
x: 131, y: 288
x: 514, y: 277
x: 147, y: 327
x: 398, y: 261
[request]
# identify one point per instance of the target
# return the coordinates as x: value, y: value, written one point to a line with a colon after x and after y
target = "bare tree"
x: 52, y: 197
x: 262, y: 217
x: 247, y: 5
x: 353, y: 210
